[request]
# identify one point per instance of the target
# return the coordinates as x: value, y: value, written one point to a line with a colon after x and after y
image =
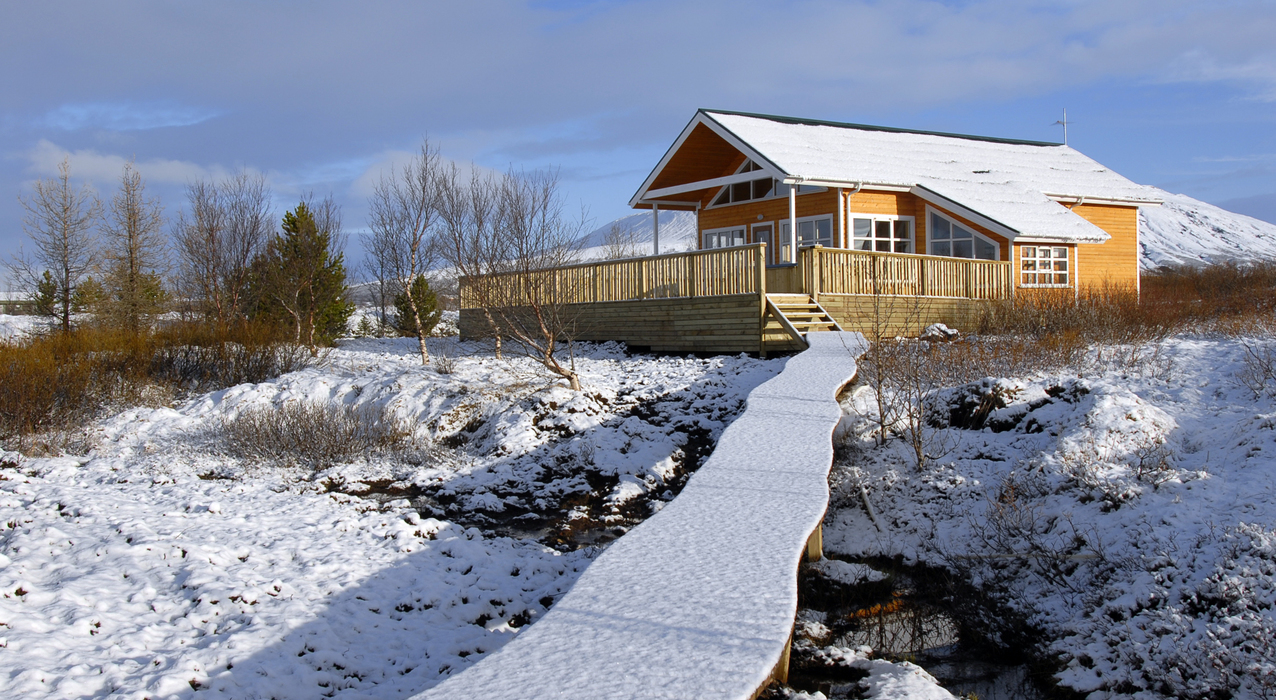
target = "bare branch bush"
x: 227, y: 225
x: 620, y: 242
x: 402, y: 214
x: 59, y: 221
x: 1259, y: 373
x: 313, y: 434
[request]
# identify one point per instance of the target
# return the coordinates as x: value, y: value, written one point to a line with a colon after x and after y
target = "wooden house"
x: 806, y: 225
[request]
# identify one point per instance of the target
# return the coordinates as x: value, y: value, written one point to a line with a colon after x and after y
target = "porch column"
x: 840, y: 241
x: 655, y: 227
x: 792, y: 224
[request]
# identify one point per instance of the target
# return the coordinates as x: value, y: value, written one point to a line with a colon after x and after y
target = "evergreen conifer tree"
x: 427, y: 306
x: 301, y: 278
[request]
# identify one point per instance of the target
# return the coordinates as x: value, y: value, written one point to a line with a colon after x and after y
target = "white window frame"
x: 931, y: 212
x: 784, y: 232
x: 704, y: 237
x: 1036, y: 261
x: 850, y: 231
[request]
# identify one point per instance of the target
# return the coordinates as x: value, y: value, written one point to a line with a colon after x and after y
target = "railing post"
x: 691, y: 275
x: 817, y: 272
x: 760, y: 271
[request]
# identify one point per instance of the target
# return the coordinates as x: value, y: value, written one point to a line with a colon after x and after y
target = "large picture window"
x: 723, y: 238
x: 953, y: 240
x: 1043, y: 266
x: 882, y: 234
x: 811, y: 230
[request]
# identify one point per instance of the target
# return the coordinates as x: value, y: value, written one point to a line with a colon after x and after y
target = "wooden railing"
x: 742, y: 270
x: 718, y: 272
x: 838, y: 271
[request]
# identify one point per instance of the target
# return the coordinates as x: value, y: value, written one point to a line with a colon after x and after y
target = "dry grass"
x: 55, y: 382
x: 316, y: 435
x: 1226, y: 298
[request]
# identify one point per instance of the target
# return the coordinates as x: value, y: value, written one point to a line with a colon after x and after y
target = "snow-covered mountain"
x: 1186, y: 231
x: 677, y: 234
x: 1183, y: 231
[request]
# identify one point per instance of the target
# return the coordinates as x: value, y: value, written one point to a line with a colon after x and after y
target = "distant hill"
x: 1183, y: 231
x: 677, y: 234
x: 1186, y: 231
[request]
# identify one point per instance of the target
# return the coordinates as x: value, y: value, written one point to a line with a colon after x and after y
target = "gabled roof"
x: 1011, y: 184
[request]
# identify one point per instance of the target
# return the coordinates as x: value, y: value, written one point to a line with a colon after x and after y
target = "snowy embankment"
x: 699, y: 600
x: 157, y: 566
x: 1122, y: 518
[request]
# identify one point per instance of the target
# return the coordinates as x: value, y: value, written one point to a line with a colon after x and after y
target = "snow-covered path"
x: 699, y: 600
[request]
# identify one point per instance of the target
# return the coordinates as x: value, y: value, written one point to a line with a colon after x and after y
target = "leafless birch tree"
x: 533, y: 300
x: 469, y: 240
x: 227, y: 225
x: 402, y: 213
x: 134, y: 251
x: 59, y: 220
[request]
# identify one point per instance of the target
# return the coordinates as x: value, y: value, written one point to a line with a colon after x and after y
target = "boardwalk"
x: 699, y: 600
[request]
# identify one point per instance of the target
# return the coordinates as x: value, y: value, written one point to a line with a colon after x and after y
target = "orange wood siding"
x: 1115, y: 261
x: 821, y: 203
x: 771, y: 210
x: 702, y: 156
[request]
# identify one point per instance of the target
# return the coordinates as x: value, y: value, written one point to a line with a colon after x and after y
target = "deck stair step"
x: 799, y: 314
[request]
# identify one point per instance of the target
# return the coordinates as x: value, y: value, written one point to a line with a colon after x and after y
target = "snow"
x: 1006, y: 182
x: 699, y: 600
x: 156, y: 564
x: 677, y: 234
x: 1186, y: 231
x: 1125, y: 510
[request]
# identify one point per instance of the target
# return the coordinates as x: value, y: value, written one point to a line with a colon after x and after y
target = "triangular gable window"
x: 763, y: 188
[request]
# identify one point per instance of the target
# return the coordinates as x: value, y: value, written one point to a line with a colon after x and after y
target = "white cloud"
x: 44, y: 158
x: 125, y: 116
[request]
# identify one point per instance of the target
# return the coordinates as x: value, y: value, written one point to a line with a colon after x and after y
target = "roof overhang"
x: 939, y: 200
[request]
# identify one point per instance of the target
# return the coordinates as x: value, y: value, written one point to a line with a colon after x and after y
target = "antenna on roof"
x: 1064, y: 124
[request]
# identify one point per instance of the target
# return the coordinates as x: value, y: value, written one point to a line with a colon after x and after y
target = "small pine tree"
x: 301, y: 278
x: 365, y: 328
x: 46, y: 296
x: 427, y: 305
x: 88, y: 296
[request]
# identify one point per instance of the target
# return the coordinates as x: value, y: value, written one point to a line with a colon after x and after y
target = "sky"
x: 321, y: 97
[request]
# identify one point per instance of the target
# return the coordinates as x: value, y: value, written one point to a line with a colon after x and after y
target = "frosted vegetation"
x: 160, y: 558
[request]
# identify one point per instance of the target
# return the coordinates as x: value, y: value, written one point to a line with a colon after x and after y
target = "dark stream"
x: 904, y: 617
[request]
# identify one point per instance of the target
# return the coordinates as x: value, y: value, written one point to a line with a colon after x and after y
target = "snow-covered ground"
x: 1127, y: 514
x: 156, y: 565
x: 698, y: 601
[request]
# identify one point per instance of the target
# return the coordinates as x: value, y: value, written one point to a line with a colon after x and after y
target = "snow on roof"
x: 699, y: 600
x: 1004, y: 180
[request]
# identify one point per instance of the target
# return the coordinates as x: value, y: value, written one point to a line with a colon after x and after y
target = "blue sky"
x: 321, y: 96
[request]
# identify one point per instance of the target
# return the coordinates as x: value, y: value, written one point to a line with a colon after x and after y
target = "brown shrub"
x: 49, y: 383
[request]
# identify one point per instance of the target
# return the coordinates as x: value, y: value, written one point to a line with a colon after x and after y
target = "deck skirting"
x: 715, y: 324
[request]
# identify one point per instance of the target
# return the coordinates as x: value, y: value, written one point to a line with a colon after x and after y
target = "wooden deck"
x: 717, y: 300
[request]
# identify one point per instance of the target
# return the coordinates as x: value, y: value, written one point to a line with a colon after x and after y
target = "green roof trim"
x: 869, y: 127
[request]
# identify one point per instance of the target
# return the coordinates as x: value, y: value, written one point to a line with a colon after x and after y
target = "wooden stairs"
x: 797, y: 315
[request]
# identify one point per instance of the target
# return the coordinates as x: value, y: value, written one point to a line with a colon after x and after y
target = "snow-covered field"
x: 1128, y: 514
x: 155, y: 565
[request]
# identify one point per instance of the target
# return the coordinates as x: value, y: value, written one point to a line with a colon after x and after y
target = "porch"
x: 729, y: 300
